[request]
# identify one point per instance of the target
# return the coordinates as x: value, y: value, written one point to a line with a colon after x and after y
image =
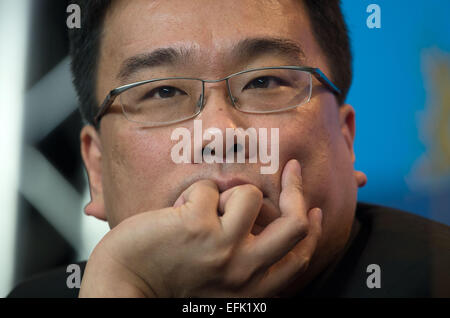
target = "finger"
x: 265, y: 215
x: 241, y: 208
x: 297, y: 261
x: 291, y: 196
x: 280, y: 236
x: 223, y: 198
x: 202, y: 196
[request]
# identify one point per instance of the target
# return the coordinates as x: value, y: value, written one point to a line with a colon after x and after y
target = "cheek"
x: 309, y: 138
x: 332, y: 184
x: 315, y: 139
x: 133, y: 171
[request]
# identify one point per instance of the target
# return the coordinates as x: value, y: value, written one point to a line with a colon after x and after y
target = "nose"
x: 217, y: 117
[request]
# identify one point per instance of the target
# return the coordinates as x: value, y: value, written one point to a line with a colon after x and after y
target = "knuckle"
x: 205, y: 183
x: 300, y: 228
x: 250, y: 190
x: 299, y: 186
x: 221, y: 259
x: 235, y: 271
x: 197, y: 228
x: 303, y: 263
x: 238, y: 274
x: 208, y: 186
x: 294, y: 190
x: 295, y: 187
x: 236, y: 278
x: 306, y: 259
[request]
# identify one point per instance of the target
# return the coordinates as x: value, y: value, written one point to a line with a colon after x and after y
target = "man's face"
x: 130, y: 167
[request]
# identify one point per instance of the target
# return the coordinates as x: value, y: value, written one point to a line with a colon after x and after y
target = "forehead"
x: 209, y: 28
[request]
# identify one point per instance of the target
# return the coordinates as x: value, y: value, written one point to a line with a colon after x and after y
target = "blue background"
x: 389, y: 94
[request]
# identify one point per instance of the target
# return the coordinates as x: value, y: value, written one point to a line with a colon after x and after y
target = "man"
x: 209, y: 229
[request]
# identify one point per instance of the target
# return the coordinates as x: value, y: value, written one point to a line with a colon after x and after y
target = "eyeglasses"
x: 164, y: 101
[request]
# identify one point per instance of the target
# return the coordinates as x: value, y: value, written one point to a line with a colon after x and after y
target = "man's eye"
x: 164, y: 92
x: 265, y: 82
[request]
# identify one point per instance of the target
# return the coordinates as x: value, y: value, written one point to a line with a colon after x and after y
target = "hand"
x: 189, y: 250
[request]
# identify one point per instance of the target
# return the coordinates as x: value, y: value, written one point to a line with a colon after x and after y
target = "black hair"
x: 331, y: 33
x: 327, y: 22
x: 84, y: 51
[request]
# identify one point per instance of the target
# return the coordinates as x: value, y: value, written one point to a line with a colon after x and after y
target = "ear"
x: 347, y: 124
x: 91, y: 152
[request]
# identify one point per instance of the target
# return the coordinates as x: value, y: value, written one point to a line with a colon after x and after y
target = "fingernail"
x: 179, y: 202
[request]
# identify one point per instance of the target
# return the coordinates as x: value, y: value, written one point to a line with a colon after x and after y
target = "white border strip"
x: 14, y: 25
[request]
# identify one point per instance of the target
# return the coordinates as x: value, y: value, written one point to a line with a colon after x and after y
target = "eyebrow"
x: 158, y: 57
x: 254, y: 47
x: 243, y: 51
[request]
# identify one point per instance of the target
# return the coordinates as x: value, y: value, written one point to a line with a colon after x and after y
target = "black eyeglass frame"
x: 109, y: 100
